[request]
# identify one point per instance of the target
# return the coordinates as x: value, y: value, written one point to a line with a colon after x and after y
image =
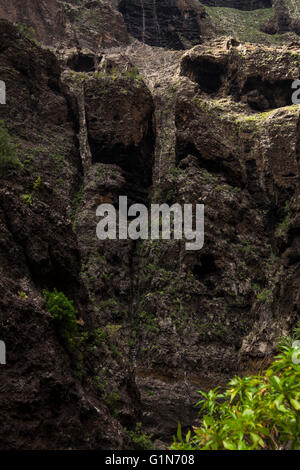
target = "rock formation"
x: 142, y: 99
x: 174, y: 24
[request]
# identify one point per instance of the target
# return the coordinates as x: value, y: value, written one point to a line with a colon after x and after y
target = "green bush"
x: 140, y: 439
x: 8, y: 158
x: 27, y: 31
x: 28, y: 198
x: 63, y: 312
x: 256, y: 412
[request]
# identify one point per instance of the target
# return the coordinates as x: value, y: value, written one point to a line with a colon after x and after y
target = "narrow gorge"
x: 164, y: 101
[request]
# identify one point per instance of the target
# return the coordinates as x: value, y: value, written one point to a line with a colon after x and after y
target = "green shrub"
x: 27, y: 31
x: 256, y: 412
x: 28, y: 198
x: 140, y: 439
x: 63, y: 312
x: 8, y: 158
x: 134, y: 74
x: 265, y: 296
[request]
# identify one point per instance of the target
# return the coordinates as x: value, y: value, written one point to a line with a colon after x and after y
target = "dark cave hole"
x: 81, y: 62
x: 53, y: 84
x: 263, y: 94
x: 215, y: 165
x: 204, y: 71
x: 184, y: 149
x: 205, y: 268
x: 51, y: 273
x: 136, y: 164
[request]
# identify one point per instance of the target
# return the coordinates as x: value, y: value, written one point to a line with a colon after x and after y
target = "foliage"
x: 245, y: 25
x: 140, y: 439
x: 63, y: 312
x: 27, y: 31
x: 112, y: 400
x: 256, y: 412
x: 265, y: 296
x: 28, y: 198
x: 8, y: 158
x: 133, y: 73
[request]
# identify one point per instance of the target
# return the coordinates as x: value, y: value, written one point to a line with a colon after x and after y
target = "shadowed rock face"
x: 49, y: 407
x: 165, y: 23
x: 71, y: 23
x: 156, y: 323
x: 286, y: 18
x: 47, y: 17
x: 240, y: 4
x: 120, y: 131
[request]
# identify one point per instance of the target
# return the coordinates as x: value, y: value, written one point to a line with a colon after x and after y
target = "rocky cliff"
x: 118, y: 106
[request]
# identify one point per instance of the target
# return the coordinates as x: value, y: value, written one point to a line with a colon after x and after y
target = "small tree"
x: 63, y: 312
x: 256, y: 412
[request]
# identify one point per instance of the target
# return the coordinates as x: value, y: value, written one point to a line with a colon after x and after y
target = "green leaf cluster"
x: 63, y: 312
x: 255, y: 412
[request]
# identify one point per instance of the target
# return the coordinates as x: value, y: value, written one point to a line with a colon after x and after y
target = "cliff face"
x: 286, y: 17
x: 68, y: 24
x: 175, y: 24
x: 43, y: 402
x: 107, y: 116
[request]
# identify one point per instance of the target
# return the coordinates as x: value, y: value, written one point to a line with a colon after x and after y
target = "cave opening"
x: 262, y: 94
x: 136, y: 164
x: 205, y: 71
x: 184, y: 149
x: 55, y: 272
x: 206, y: 271
x: 81, y: 62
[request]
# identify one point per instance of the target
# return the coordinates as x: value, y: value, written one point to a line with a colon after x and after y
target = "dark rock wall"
x: 48, y: 400
x: 68, y: 24
x: 286, y: 18
x: 174, y: 24
x: 156, y: 322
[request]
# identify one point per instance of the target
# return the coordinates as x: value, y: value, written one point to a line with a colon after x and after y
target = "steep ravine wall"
x: 156, y: 322
x: 166, y: 23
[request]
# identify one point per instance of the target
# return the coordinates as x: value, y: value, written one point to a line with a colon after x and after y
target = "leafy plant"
x: 265, y: 296
x: 112, y: 400
x: 28, y: 198
x: 140, y: 439
x: 23, y: 295
x: 63, y: 312
x: 255, y: 412
x: 133, y: 73
x: 27, y: 31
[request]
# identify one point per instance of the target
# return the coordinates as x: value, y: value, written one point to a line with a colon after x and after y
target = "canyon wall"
x: 107, y: 112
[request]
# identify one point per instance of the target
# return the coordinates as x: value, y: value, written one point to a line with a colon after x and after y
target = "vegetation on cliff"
x: 255, y: 412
